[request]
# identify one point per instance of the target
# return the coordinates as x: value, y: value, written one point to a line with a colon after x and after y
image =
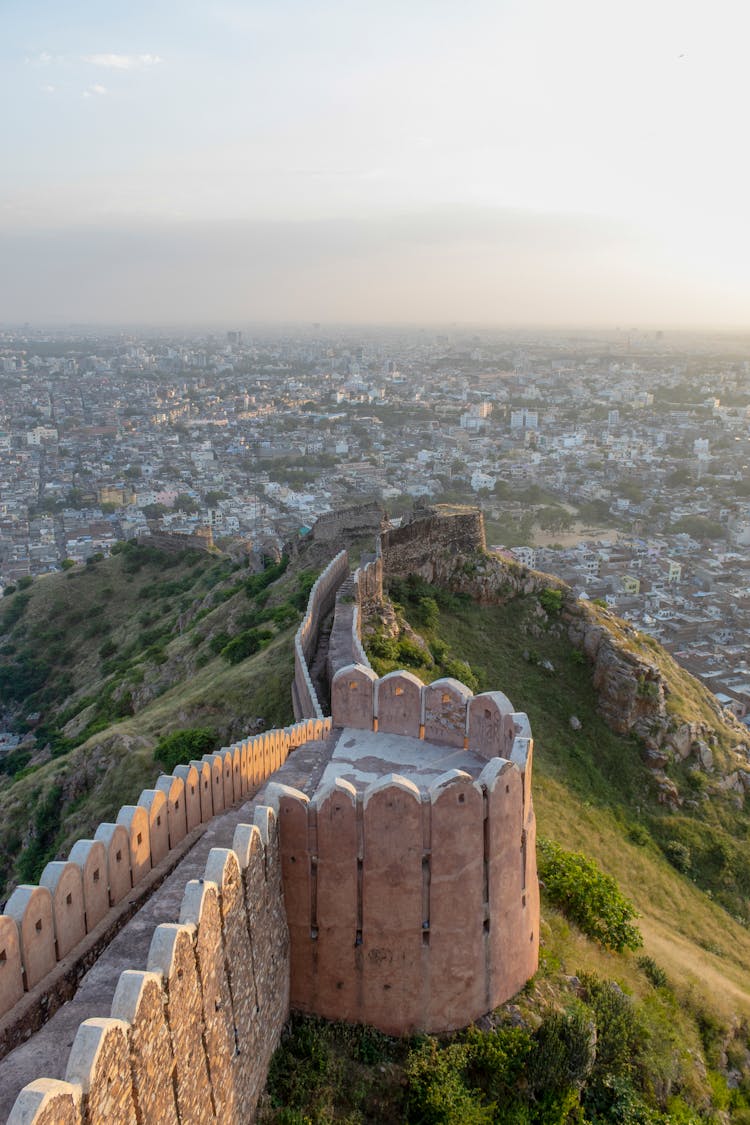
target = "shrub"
x: 564, y: 1049
x: 437, y: 1091
x: 258, y: 582
x: 14, y: 611
x: 588, y: 897
x: 219, y: 642
x: 679, y: 855
x: 25, y: 582
x: 639, y: 835
x: 385, y: 648
x: 460, y: 670
x: 427, y: 614
x: 245, y: 645
x: 653, y: 972
x: 67, y: 564
x: 409, y: 652
x: 182, y: 746
x: 550, y: 600
x: 305, y: 583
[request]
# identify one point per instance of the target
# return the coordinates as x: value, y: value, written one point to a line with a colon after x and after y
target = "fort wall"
x: 409, y: 909
x: 77, y: 899
x: 405, y: 907
x: 423, y: 545
x: 189, y: 1039
x: 319, y: 605
x: 349, y: 523
x: 201, y: 540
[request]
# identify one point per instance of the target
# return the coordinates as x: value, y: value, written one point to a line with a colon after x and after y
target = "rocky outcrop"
x: 445, y: 546
x: 631, y: 690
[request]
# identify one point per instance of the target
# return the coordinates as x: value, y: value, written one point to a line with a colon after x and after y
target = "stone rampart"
x: 411, y: 909
x: 190, y: 1038
x: 423, y: 545
x: 319, y: 605
x: 44, y: 925
x: 349, y: 523
x: 200, y: 540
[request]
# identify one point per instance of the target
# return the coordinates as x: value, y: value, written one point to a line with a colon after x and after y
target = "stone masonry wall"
x: 423, y: 545
x: 189, y: 1039
x: 68, y: 914
x: 349, y: 523
x: 320, y: 603
x: 411, y: 910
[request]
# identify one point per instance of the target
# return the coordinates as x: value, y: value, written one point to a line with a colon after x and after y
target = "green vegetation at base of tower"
x: 98, y: 664
x: 583, y: 1048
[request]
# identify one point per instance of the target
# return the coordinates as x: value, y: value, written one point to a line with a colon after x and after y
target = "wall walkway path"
x: 47, y: 1051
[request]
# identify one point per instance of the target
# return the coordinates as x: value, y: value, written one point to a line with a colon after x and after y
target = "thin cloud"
x: 42, y: 58
x: 48, y: 89
x: 95, y: 91
x: 123, y: 62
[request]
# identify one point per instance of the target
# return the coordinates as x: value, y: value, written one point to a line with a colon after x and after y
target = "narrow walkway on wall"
x: 47, y: 1051
x: 319, y: 665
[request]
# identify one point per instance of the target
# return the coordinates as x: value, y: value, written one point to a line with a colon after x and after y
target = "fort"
x: 375, y: 865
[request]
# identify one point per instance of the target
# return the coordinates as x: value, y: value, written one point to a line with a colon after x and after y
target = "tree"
x: 213, y: 496
x: 699, y: 527
x: 554, y: 518
x: 187, y: 504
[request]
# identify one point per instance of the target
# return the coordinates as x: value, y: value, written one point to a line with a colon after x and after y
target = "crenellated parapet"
x: 77, y: 899
x: 190, y: 1037
x: 445, y: 711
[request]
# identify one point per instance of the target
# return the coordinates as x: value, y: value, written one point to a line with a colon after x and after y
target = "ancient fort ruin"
x: 376, y: 864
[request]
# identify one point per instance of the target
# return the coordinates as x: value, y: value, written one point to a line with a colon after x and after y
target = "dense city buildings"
x: 619, y: 462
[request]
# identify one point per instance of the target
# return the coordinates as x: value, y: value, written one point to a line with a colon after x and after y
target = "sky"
x: 422, y: 161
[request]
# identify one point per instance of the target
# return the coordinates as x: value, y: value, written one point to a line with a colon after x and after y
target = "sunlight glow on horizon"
x: 604, y: 137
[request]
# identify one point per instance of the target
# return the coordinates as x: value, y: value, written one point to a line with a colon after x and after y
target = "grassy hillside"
x: 652, y: 1034
x: 98, y: 663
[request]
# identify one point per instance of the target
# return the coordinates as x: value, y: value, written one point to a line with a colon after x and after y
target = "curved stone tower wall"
x: 410, y: 910
x: 415, y: 909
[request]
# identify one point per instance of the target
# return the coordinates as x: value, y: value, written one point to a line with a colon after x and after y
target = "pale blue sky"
x: 425, y: 160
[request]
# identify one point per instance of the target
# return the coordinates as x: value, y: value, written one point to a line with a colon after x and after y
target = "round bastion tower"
x: 408, y: 866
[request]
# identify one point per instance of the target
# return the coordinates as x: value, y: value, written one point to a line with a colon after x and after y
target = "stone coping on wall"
x: 319, y: 603
x: 80, y: 898
x: 48, y: 1050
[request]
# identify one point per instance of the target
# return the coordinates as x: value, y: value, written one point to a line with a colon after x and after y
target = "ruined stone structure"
x: 202, y: 539
x: 392, y: 882
x: 349, y: 523
x: 432, y: 536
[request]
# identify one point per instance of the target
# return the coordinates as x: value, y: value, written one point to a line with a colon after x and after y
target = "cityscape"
x: 617, y: 462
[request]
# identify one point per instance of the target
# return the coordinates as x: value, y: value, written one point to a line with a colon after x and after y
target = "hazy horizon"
x: 498, y: 164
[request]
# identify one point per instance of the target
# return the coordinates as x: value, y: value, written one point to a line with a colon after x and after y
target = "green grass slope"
x: 98, y: 663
